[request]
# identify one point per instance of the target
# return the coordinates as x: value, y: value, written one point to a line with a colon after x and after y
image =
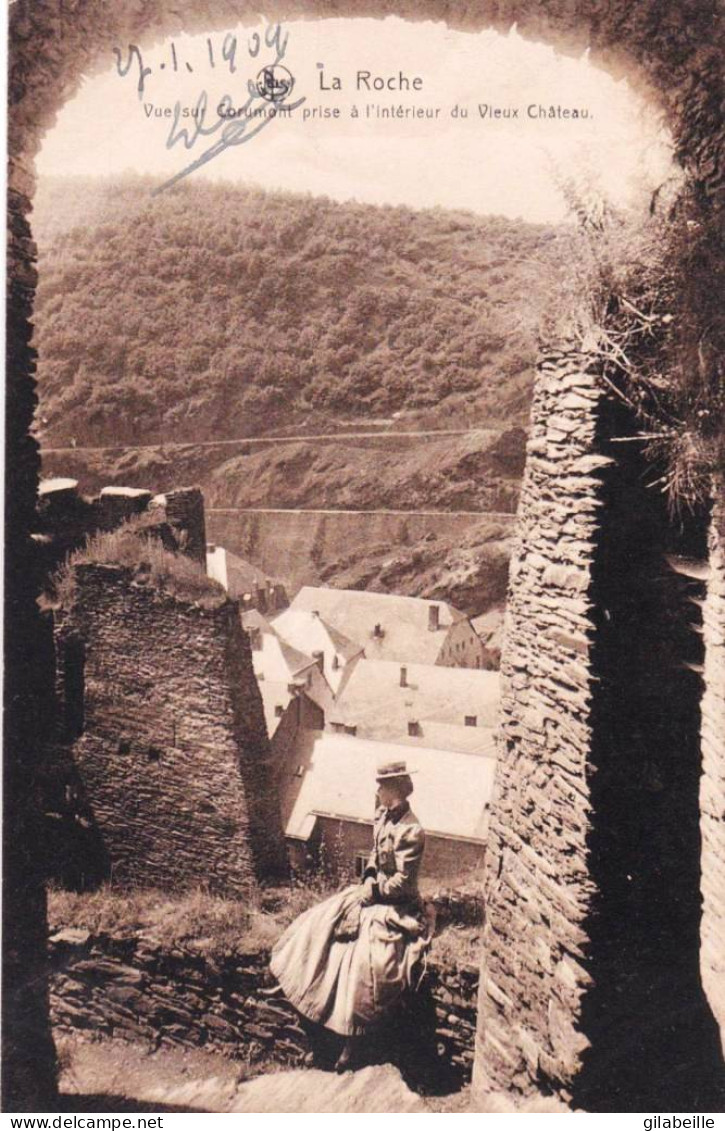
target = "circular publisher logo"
x: 274, y: 83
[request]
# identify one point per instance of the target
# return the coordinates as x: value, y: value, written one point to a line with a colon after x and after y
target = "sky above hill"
x: 335, y: 143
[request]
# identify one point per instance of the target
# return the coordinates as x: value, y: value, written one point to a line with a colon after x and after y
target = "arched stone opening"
x: 672, y: 51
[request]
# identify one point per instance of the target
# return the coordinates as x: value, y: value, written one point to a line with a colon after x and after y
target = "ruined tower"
x: 160, y: 705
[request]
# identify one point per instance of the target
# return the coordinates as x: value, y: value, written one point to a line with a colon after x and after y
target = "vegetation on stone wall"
x: 650, y: 311
x: 134, y: 547
x: 215, y: 923
x: 218, y: 925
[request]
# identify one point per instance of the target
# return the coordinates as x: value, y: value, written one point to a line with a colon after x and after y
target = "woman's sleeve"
x: 371, y: 867
x: 408, y: 855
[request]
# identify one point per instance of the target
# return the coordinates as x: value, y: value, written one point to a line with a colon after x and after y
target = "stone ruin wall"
x: 133, y: 988
x: 712, y: 790
x: 538, y: 888
x: 65, y: 519
x: 172, y: 762
x: 184, y: 511
x: 589, y: 975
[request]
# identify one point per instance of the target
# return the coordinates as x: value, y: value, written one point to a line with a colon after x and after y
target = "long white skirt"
x: 349, y: 986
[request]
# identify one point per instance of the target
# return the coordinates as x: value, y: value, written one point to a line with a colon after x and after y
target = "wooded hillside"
x: 214, y: 310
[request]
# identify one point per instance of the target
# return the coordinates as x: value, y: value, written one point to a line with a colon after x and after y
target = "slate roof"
x: 437, y: 698
x: 278, y: 660
x: 252, y: 618
x: 310, y: 633
x: 275, y: 694
x: 489, y: 626
x: 403, y: 621
x: 333, y: 775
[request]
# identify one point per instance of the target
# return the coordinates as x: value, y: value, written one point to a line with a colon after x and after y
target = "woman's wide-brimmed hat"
x: 389, y: 770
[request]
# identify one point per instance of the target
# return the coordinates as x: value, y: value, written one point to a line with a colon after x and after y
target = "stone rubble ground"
x: 207, y: 1082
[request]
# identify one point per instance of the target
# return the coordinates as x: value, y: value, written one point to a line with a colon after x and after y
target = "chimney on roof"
x: 319, y: 658
x: 433, y: 618
x: 378, y: 632
x: 255, y: 638
x: 211, y: 548
x: 403, y: 677
x: 315, y: 612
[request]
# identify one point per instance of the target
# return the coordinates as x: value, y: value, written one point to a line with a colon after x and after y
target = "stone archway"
x: 671, y: 50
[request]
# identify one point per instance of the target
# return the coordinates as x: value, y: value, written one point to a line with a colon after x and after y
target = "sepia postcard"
x: 365, y: 559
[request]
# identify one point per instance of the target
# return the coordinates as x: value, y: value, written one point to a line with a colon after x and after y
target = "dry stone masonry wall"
x: 538, y: 888
x: 65, y: 519
x: 172, y: 761
x: 185, y: 512
x: 27, y: 1049
x: 140, y: 990
x: 590, y: 984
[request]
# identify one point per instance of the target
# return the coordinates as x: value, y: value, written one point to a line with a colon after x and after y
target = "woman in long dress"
x: 346, y: 963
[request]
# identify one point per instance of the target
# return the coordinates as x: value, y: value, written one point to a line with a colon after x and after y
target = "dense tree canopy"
x: 215, y: 310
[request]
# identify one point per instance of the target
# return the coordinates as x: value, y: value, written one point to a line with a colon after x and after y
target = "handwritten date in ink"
x: 219, y: 52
